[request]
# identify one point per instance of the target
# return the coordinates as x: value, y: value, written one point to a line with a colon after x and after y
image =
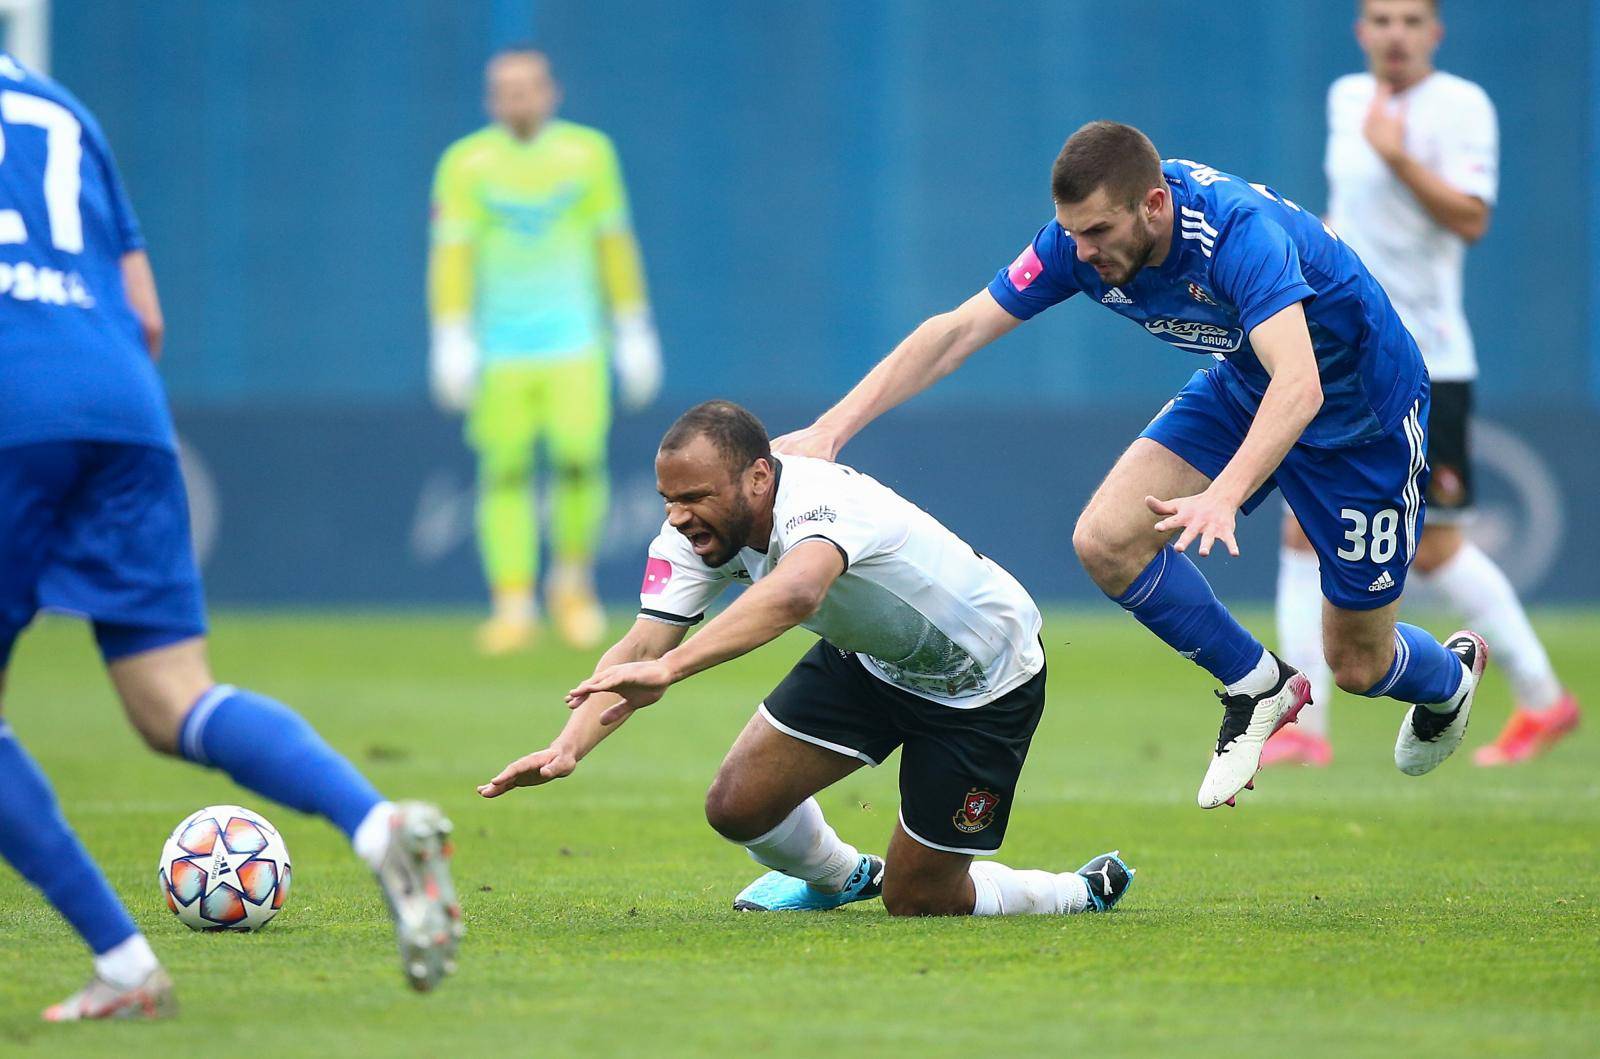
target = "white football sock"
x: 1259, y: 680
x: 1478, y: 588
x: 126, y: 964
x: 1003, y: 891
x: 806, y: 847
x: 1299, y: 612
x: 371, y: 840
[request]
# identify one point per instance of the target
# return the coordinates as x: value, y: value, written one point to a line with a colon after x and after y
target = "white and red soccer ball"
x: 224, y: 868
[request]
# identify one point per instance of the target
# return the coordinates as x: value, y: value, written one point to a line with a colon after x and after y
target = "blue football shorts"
x: 1361, y: 507
x: 100, y: 530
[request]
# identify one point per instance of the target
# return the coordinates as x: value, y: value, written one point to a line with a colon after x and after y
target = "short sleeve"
x: 677, y: 586
x: 843, y: 507
x: 456, y: 212
x: 130, y: 236
x: 1256, y: 267
x: 1470, y: 147
x: 606, y: 203
x: 1040, y: 276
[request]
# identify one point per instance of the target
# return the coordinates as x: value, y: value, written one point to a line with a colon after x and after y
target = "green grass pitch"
x: 1345, y: 911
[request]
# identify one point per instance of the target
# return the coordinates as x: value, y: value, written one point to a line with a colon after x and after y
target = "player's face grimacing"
x: 1399, y: 38
x: 711, y: 503
x: 1117, y: 240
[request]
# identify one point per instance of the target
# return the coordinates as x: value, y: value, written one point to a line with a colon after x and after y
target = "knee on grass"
x: 914, y: 896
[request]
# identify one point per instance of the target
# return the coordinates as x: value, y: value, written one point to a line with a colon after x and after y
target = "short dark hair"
x: 1361, y: 6
x: 1105, y: 154
x: 737, y: 434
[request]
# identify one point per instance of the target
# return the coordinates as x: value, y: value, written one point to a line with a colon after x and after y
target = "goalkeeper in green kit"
x: 534, y: 276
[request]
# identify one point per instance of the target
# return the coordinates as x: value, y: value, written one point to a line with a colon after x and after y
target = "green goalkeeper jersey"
x: 520, y: 231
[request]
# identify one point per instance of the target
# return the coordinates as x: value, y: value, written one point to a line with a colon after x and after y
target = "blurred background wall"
x: 809, y: 181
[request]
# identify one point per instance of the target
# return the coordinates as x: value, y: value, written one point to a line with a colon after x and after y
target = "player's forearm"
x: 766, y: 611
x: 622, y: 273
x: 450, y: 283
x: 935, y: 349
x: 139, y: 287
x: 583, y: 730
x: 1465, y: 215
x: 1289, y: 405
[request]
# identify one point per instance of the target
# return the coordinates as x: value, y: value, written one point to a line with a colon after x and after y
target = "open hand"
x: 1205, y: 516
x: 541, y: 766
x: 811, y: 441
x: 639, y: 684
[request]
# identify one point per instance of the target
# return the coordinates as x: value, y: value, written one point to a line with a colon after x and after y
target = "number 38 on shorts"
x: 1375, y: 539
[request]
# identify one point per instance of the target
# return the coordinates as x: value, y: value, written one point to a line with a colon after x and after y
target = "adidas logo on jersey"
x: 1114, y: 296
x: 1384, y: 581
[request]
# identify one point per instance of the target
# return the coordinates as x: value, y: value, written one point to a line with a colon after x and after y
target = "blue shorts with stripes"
x: 1361, y: 507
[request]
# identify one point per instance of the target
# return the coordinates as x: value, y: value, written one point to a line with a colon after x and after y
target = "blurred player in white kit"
x: 1413, y: 168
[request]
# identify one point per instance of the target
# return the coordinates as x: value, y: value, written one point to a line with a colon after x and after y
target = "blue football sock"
x: 1422, y: 670
x: 267, y: 747
x: 1172, y: 599
x: 35, y: 838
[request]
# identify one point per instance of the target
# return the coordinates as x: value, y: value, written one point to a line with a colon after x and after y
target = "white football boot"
x: 152, y: 998
x: 415, y: 876
x: 1248, y: 721
x: 1427, y: 736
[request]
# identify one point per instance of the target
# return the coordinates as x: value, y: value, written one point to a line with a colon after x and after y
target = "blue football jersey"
x: 1240, y: 253
x: 73, y: 361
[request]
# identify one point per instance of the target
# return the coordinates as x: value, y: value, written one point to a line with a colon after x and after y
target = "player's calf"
x: 812, y: 869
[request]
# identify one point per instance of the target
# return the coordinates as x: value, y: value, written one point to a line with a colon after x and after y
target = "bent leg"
x: 1374, y: 655
x: 1133, y: 564
x: 766, y: 775
x: 261, y: 744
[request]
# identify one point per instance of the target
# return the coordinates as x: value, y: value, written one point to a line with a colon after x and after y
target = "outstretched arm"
x: 584, y: 730
x: 935, y: 349
x: 769, y: 608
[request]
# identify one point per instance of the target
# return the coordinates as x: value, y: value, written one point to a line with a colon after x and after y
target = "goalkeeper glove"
x: 636, y: 354
x: 453, y: 366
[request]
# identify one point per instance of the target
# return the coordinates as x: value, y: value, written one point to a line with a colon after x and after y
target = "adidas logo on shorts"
x: 1384, y: 581
x: 1114, y: 296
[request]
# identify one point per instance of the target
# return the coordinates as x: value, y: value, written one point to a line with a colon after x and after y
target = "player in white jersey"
x: 1413, y: 165
x: 927, y: 646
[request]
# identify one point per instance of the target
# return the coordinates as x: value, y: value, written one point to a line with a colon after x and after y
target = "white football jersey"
x: 918, y: 605
x: 1450, y: 129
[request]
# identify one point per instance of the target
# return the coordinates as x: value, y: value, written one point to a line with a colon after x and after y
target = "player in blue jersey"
x: 94, y: 521
x: 1316, y: 390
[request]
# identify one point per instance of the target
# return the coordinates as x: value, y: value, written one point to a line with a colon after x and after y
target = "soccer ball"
x: 224, y: 868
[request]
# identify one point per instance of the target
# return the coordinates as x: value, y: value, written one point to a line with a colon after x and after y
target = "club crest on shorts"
x: 977, y: 811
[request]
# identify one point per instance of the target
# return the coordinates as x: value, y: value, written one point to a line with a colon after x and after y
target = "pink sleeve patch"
x: 1025, y: 269
x: 657, y: 572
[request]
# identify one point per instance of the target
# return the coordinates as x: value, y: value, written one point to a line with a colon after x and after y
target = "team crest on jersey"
x: 1198, y: 293
x: 977, y: 811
